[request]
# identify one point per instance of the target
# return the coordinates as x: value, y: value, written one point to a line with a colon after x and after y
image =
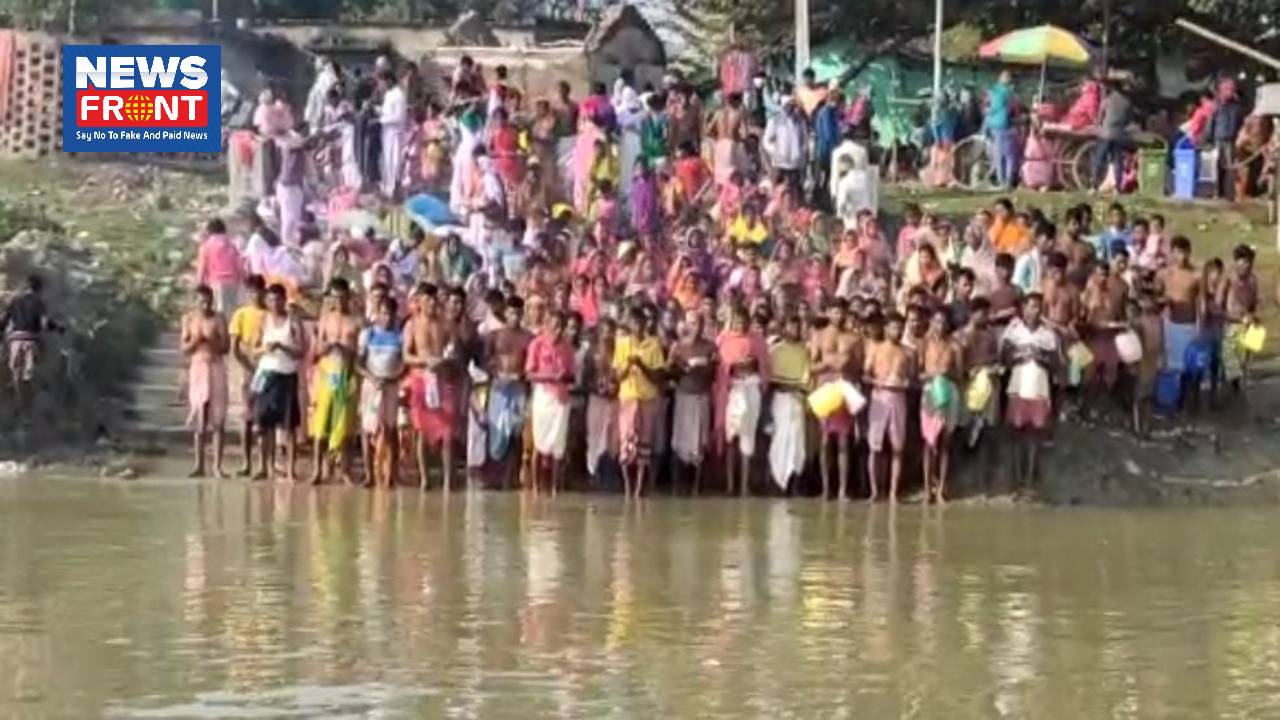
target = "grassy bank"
x: 135, y: 220
x: 113, y: 242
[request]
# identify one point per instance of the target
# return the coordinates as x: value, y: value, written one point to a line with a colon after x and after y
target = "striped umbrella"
x: 1043, y: 45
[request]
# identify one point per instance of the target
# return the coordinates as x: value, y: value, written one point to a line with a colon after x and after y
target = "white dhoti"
x: 787, y: 446
x: 628, y: 158
x: 477, y: 435
x: 549, y: 414
x: 291, y: 201
x: 727, y: 156
x: 691, y: 427
x: 602, y: 430
x: 742, y: 414
x: 564, y: 163
x: 392, y: 153
x: 350, y: 161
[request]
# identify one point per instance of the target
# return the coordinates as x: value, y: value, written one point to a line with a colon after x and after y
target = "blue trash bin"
x: 1186, y: 160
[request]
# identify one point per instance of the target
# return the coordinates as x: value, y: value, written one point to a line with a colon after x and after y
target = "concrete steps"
x: 156, y: 412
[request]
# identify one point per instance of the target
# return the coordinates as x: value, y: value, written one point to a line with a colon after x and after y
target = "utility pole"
x: 802, y: 37
x: 1106, y: 36
x: 937, y: 57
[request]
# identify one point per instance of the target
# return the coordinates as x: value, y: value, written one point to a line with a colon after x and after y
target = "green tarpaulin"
x: 900, y: 85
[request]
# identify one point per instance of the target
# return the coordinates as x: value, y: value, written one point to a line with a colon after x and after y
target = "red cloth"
x: 243, y: 142
x: 504, y: 146
x: 1086, y: 109
x: 1199, y: 120
x: 737, y: 69
x: 7, y: 41
x: 435, y: 423
x: 586, y: 305
x: 693, y: 175
x: 1028, y: 414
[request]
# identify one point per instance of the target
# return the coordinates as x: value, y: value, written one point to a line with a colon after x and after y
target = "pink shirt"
x: 549, y: 357
x: 218, y: 261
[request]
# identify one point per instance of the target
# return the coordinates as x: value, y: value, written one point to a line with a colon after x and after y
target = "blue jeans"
x: 1108, y: 149
x: 1003, y: 156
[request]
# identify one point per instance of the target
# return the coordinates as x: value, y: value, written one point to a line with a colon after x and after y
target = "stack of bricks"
x: 32, y: 125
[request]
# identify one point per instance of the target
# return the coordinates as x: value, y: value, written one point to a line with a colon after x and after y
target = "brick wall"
x: 32, y: 125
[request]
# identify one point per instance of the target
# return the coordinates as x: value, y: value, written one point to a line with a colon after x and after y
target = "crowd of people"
x: 1027, y: 141
x: 633, y: 287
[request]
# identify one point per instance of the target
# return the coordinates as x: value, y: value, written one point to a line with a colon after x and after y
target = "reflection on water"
x: 224, y: 600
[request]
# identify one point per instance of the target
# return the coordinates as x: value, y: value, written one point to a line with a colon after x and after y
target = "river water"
x: 158, y: 599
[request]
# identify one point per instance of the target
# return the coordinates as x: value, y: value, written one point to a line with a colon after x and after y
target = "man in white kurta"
x: 395, y: 128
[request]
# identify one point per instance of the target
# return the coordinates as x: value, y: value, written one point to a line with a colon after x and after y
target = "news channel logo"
x: 141, y: 98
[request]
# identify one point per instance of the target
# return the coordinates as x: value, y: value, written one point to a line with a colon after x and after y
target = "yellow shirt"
x: 246, y: 325
x: 741, y: 232
x: 789, y: 363
x: 635, y: 385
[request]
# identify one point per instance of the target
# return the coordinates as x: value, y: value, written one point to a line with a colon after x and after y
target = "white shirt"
x: 319, y: 97
x: 1029, y: 380
x: 1026, y: 271
x: 849, y: 154
x: 784, y: 141
x: 255, y: 254
x: 395, y: 108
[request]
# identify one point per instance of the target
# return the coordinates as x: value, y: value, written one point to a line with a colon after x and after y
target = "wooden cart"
x: 1072, y: 162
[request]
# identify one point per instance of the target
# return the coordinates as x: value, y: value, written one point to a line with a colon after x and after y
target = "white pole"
x: 937, y: 54
x: 802, y: 37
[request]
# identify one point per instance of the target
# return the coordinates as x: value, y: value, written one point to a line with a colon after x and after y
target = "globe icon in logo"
x: 138, y: 108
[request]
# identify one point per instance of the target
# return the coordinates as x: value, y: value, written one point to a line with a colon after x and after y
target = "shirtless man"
x: 1180, y: 290
x: 465, y: 341
x: 507, y: 348
x: 837, y: 355
x: 205, y: 343
x: 1104, y: 302
x: 888, y: 368
x: 335, y: 386
x: 534, y: 319
x: 1241, y: 305
x: 428, y: 344
x: 980, y: 350
x: 1061, y: 300
x: 728, y: 127
x: 1150, y: 328
x: 693, y: 362
x: 1063, y: 309
x: 941, y: 364
x: 1004, y: 294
